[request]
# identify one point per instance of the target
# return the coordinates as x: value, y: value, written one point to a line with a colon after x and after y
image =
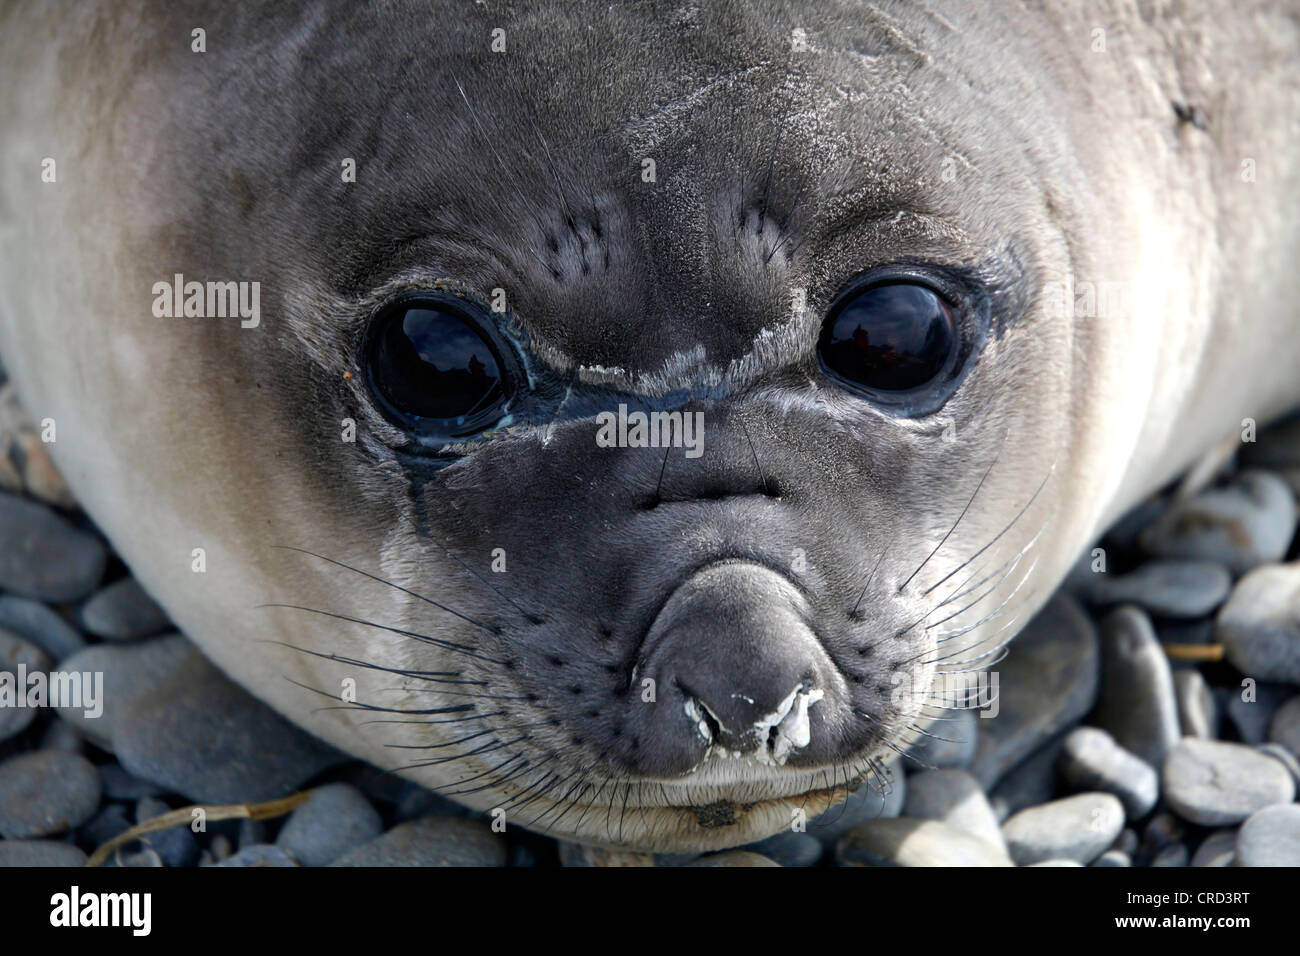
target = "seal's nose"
x: 742, y: 667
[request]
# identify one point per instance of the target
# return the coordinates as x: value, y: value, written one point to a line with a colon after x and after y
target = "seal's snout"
x: 740, y: 668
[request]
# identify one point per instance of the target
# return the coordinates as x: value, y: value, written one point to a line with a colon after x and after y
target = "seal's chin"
x: 721, y: 824
x: 698, y: 815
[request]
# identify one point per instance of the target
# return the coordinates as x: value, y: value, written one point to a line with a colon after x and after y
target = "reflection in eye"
x: 431, y: 364
x: 891, y: 337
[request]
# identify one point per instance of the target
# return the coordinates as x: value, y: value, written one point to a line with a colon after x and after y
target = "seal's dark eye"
x: 889, y: 338
x: 435, y: 369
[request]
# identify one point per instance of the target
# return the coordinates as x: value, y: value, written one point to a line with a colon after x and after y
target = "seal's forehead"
x: 643, y: 180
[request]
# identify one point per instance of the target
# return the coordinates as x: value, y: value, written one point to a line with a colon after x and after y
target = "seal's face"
x: 424, y: 460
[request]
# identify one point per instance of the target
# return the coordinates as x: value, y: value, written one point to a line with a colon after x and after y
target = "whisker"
x: 995, y: 538
x: 1001, y: 651
x: 374, y: 577
x: 426, y: 723
x: 440, y: 677
x: 992, y: 590
x: 872, y: 575
x: 425, y: 638
x: 490, y: 772
x: 753, y: 451
x: 962, y: 593
x: 496, y: 781
x: 954, y: 524
x: 531, y: 618
x: 996, y: 611
x: 461, y: 740
x: 660, y: 483
x: 357, y: 705
x: 450, y: 758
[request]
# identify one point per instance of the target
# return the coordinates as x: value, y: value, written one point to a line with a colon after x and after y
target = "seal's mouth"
x: 710, y: 824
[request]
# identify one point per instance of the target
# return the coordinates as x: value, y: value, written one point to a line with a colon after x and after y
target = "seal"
x: 635, y: 419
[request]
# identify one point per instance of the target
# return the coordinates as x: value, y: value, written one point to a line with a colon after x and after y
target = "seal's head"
x: 644, y: 407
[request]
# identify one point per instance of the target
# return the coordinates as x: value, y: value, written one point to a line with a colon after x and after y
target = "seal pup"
x: 330, y: 306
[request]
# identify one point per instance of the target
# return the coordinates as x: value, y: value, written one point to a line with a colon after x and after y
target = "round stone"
x: 432, y: 841
x: 45, y: 792
x: 1136, y: 703
x: 953, y: 797
x: 122, y: 611
x: 734, y: 858
x: 44, y: 557
x: 40, y: 853
x: 1091, y: 760
x: 1285, y: 728
x: 19, y: 661
x: 260, y: 855
x: 1243, y: 524
x: 40, y: 624
x: 1217, y: 849
x: 1271, y: 837
x: 336, y: 819
x: 1215, y: 784
x: 1047, y: 684
x: 128, y: 671
x: 1173, y: 589
x: 1078, y: 828
x: 199, y: 734
x: 790, y: 849
x: 1259, y: 626
x: 905, y: 842
x: 1197, y: 713
x: 1112, y: 858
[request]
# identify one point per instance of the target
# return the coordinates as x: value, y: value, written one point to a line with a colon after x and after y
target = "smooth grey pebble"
x: 40, y: 853
x: 1246, y: 523
x: 43, y: 792
x: 1174, y: 589
x: 40, y: 624
x: 901, y: 841
x: 1136, y: 703
x: 1214, y: 783
x: 790, y: 849
x: 953, y: 797
x: 1259, y: 627
x: 43, y: 556
x: 1046, y: 685
x: 1092, y: 760
x: 260, y: 854
x: 1078, y: 828
x: 1270, y: 837
x: 335, y: 819
x: 431, y: 841
x: 122, y: 611
x: 1217, y: 849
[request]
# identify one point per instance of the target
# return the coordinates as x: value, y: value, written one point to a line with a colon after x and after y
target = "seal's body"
x: 664, y: 208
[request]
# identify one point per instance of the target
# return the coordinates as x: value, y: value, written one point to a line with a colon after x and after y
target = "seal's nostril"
x: 770, y: 738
